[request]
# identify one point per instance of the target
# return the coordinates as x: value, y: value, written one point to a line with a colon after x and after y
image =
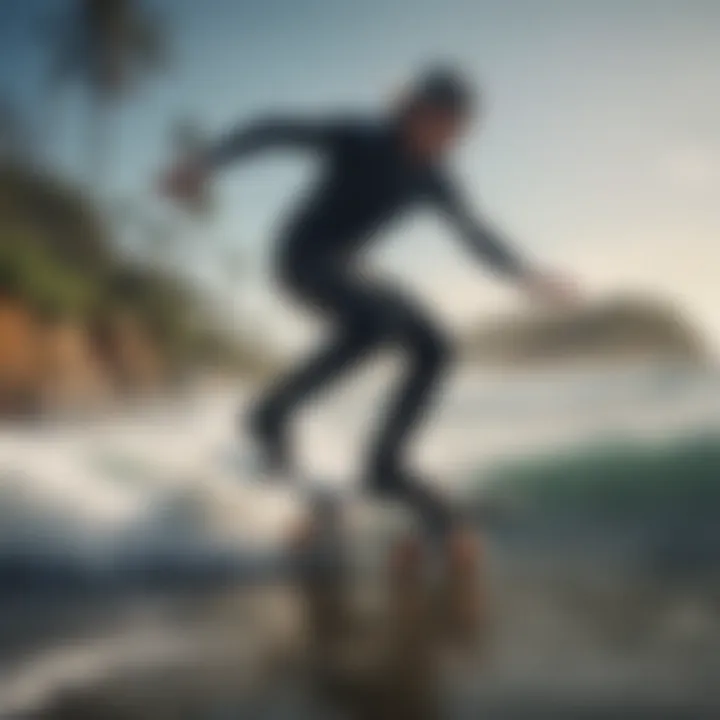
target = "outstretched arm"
x: 494, y: 250
x: 483, y: 240
x: 186, y: 182
x: 268, y: 133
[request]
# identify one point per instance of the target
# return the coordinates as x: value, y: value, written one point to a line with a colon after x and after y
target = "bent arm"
x: 267, y: 134
x: 483, y: 240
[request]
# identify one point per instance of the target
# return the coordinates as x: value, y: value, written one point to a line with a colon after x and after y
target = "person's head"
x: 435, y: 112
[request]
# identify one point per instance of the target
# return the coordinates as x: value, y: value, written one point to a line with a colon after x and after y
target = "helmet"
x: 443, y: 87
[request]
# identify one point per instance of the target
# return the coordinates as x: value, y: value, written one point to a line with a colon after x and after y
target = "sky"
x: 598, y: 150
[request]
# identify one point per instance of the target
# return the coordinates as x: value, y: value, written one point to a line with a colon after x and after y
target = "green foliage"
x: 51, y: 287
x: 56, y: 256
x: 55, y: 215
x: 168, y: 308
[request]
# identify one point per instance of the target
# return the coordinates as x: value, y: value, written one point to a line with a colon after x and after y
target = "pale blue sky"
x: 600, y: 146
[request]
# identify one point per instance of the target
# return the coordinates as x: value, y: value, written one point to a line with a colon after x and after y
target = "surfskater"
x: 372, y: 170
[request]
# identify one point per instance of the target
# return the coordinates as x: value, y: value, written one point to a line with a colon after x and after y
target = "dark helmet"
x: 443, y: 87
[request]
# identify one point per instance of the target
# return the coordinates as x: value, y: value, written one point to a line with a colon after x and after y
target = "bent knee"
x: 365, y: 331
x: 427, y: 346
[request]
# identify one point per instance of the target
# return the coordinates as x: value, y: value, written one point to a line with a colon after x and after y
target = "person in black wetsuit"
x: 373, y: 170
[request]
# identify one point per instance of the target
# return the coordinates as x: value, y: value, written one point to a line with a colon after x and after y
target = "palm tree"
x: 108, y: 46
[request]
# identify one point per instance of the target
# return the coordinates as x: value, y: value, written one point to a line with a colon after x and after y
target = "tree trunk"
x: 98, y: 144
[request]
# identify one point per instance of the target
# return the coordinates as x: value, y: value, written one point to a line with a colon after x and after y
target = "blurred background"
x: 134, y: 560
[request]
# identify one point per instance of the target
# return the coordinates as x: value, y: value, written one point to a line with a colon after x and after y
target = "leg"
x: 269, y: 419
x: 428, y: 355
x: 358, y: 317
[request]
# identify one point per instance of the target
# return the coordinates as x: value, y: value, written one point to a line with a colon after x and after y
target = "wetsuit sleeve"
x: 270, y: 133
x: 483, y: 239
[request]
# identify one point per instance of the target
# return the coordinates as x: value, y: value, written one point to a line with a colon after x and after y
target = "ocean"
x: 602, y: 488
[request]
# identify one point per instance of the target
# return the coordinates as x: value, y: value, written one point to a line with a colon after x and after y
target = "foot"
x: 435, y: 510
x: 269, y: 437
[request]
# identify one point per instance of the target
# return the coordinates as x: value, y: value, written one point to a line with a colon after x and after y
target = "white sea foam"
x: 163, y: 477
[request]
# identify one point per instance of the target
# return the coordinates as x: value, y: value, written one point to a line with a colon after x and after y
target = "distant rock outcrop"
x: 621, y: 329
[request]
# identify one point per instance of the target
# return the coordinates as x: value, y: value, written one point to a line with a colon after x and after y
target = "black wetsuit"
x: 367, y: 179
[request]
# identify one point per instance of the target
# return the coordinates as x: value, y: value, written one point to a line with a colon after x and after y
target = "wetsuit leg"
x: 357, y: 320
x: 427, y: 354
x: 366, y: 316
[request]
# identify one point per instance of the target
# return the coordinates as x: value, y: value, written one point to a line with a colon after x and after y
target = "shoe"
x: 433, y: 508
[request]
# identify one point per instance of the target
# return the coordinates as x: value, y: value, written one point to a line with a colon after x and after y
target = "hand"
x: 186, y: 183
x: 551, y: 289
